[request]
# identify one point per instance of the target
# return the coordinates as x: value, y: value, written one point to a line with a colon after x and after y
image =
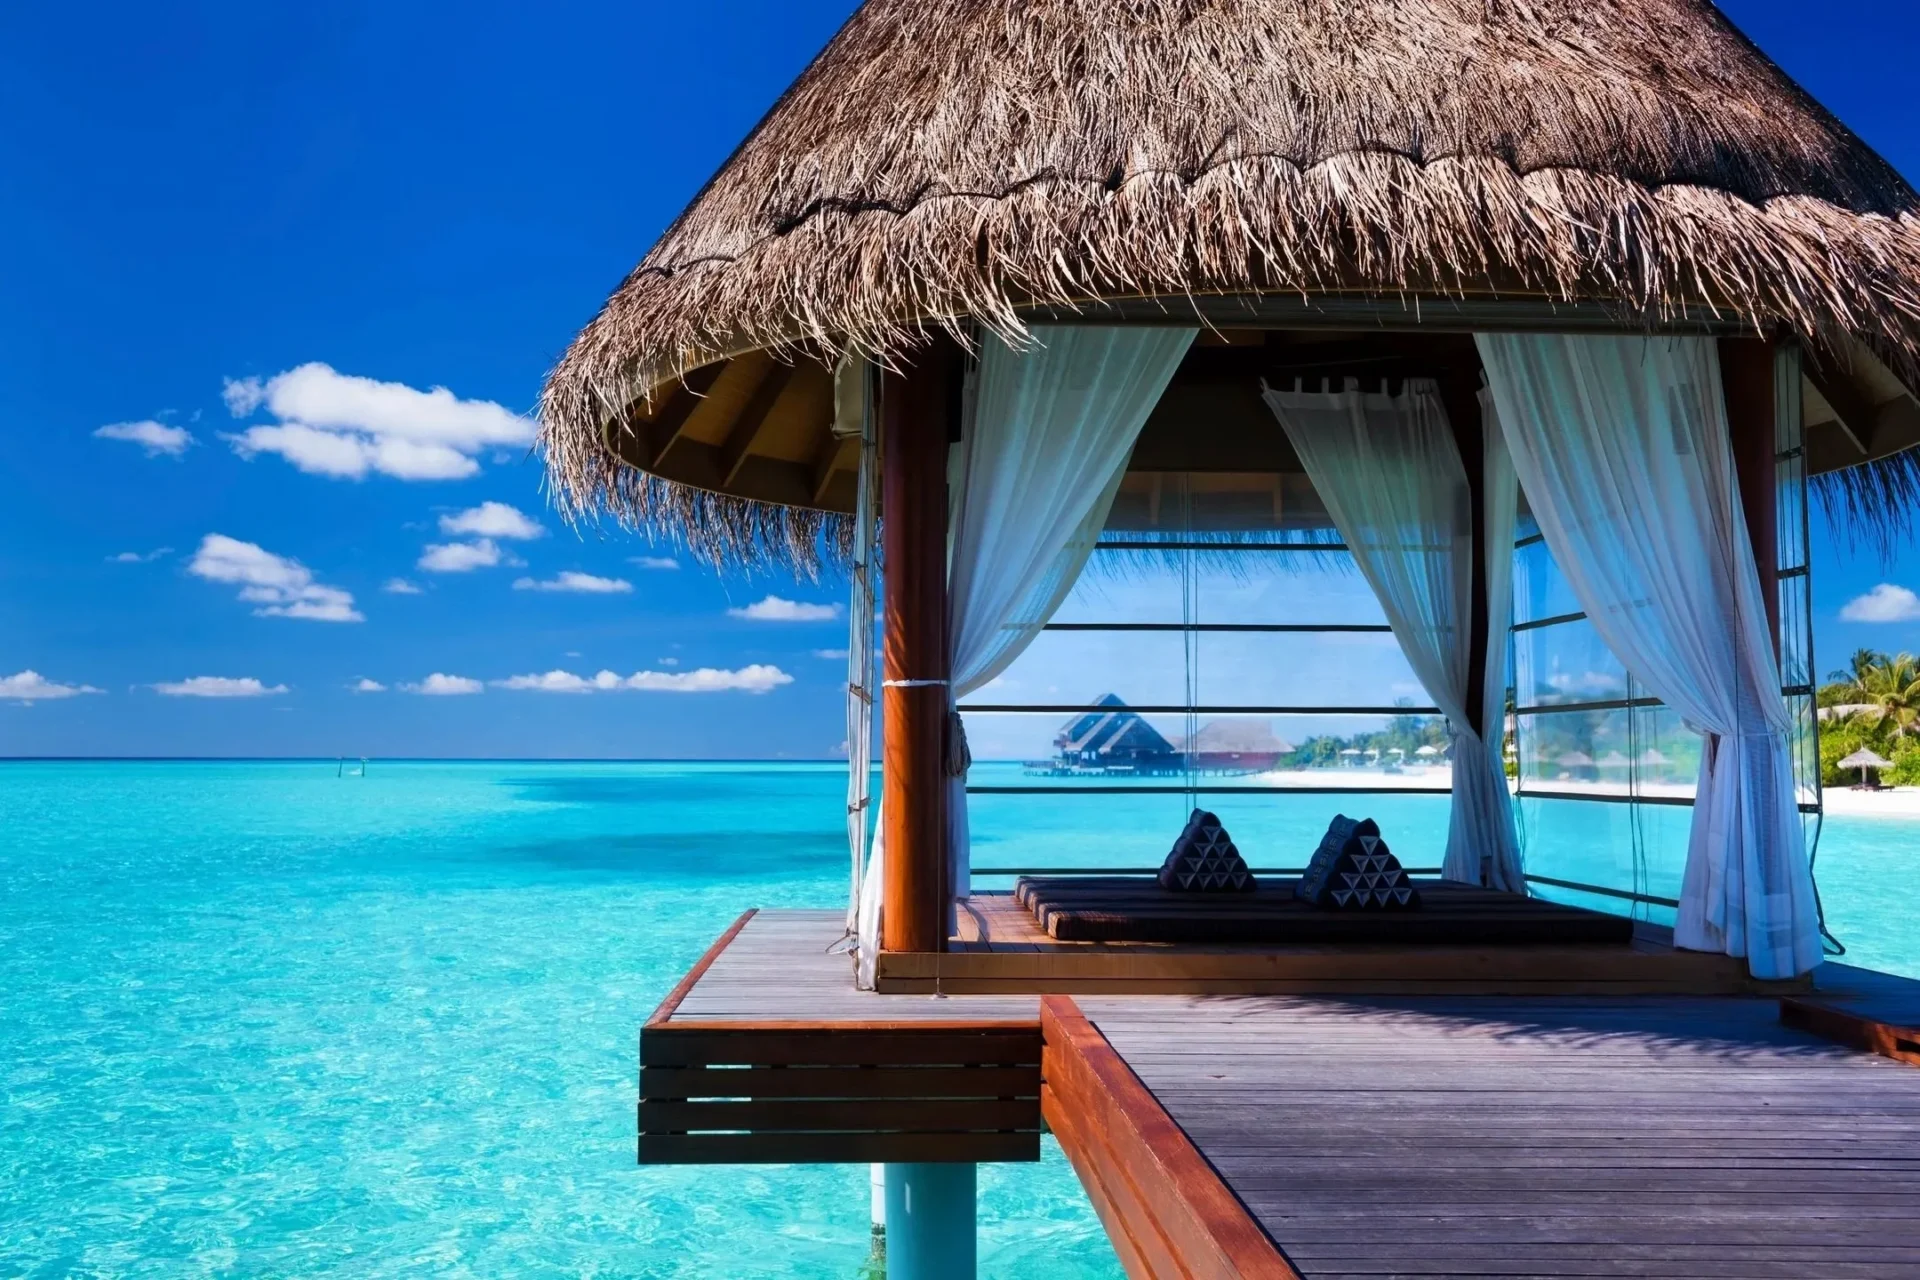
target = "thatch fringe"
x: 947, y: 161
x: 1873, y: 504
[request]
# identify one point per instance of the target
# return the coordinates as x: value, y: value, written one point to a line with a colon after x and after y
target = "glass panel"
x: 1242, y: 505
x: 1120, y: 748
x: 1639, y: 848
x: 1796, y: 631
x: 1566, y: 662
x: 1539, y: 588
x: 1277, y: 831
x: 1152, y: 668
x: 1277, y: 587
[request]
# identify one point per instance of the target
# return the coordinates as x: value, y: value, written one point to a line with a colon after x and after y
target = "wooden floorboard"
x: 1545, y: 1137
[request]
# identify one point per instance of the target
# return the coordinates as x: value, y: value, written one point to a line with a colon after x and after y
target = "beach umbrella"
x: 1613, y: 760
x: 1428, y: 750
x: 1576, y: 759
x: 1863, y: 760
x: 1652, y: 756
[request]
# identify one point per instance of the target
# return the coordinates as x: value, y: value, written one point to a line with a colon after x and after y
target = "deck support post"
x: 916, y: 411
x: 1747, y: 378
x: 931, y: 1232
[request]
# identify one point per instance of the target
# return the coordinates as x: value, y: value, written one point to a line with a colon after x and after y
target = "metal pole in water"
x: 930, y: 1221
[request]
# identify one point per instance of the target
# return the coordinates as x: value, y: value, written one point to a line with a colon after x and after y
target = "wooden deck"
x: 1424, y: 1137
x: 1000, y: 948
x: 1328, y: 1137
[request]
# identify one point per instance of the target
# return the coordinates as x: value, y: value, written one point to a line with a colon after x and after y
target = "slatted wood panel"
x: 1407, y: 1137
x: 766, y: 1053
x: 1877, y: 1012
x: 1137, y: 909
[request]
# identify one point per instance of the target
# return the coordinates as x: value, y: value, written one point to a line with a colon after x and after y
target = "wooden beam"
x: 1851, y: 409
x: 752, y: 422
x: 915, y: 409
x: 658, y: 434
x: 1747, y: 377
x: 826, y: 462
x: 1460, y: 393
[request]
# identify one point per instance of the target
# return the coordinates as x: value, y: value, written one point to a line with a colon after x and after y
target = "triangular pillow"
x: 1353, y: 870
x: 1204, y: 860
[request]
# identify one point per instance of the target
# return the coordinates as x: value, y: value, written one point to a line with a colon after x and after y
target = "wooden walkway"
x: 1330, y: 1137
x: 1498, y: 1137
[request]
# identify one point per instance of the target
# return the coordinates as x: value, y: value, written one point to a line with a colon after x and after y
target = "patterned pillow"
x: 1353, y: 870
x: 1204, y: 860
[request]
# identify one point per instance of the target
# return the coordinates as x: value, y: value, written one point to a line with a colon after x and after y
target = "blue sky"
x: 317, y: 215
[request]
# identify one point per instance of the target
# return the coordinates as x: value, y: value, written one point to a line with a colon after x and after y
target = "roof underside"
x: 952, y: 163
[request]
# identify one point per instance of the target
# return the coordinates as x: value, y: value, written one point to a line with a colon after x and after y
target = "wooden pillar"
x: 1460, y: 393
x: 1747, y: 378
x: 916, y: 409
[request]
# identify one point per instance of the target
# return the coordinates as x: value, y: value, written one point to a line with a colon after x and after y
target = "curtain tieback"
x: 959, y: 754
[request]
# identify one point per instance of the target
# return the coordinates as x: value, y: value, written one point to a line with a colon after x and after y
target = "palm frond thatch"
x: 946, y: 161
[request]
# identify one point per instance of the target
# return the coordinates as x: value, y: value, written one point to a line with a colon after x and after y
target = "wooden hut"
x: 990, y: 268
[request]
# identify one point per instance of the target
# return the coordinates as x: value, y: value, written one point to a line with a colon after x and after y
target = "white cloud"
x: 440, y: 685
x: 31, y: 686
x: 334, y: 424
x: 140, y: 557
x: 757, y: 678
x: 219, y: 687
x: 654, y: 562
x: 669, y: 662
x: 1885, y: 603
x: 364, y: 685
x: 831, y: 654
x: 550, y: 682
x: 399, y: 587
x: 283, y: 588
x: 155, y: 438
x: 774, y: 609
x: 571, y: 581
x: 460, y: 557
x: 492, y: 520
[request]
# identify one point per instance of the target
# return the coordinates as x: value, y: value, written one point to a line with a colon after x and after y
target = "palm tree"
x: 1891, y: 686
x: 1858, y: 666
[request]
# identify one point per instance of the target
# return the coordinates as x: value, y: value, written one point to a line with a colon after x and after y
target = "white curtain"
x: 1622, y: 447
x: 1391, y: 476
x: 853, y: 418
x: 1043, y: 449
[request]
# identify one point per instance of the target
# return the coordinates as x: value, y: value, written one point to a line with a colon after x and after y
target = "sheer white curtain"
x: 1390, y: 473
x: 1621, y: 444
x: 1043, y: 451
x: 853, y: 418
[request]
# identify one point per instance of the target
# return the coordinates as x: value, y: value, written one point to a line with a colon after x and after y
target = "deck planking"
x: 1539, y: 1137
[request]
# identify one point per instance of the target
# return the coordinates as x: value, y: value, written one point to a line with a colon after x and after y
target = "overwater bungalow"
x: 1112, y: 739
x: 1545, y: 316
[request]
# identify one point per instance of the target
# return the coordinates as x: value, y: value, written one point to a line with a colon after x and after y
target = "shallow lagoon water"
x: 263, y: 1020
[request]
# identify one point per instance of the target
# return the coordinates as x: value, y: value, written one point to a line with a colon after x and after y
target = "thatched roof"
x: 945, y: 162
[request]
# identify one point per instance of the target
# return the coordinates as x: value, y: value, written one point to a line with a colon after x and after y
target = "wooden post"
x: 1746, y: 377
x: 915, y: 412
x: 1460, y: 393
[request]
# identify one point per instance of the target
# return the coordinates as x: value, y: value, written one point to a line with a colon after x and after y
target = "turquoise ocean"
x: 262, y: 1020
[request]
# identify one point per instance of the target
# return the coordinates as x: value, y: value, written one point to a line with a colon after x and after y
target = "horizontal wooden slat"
x: 919, y: 1046
x: 679, y: 1083
x: 924, y: 1115
x: 839, y: 1148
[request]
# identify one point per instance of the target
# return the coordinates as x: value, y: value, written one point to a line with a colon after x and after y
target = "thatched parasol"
x: 951, y: 163
x: 1863, y: 760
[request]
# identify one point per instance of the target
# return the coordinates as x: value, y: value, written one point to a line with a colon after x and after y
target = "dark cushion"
x: 1353, y: 870
x: 1204, y: 860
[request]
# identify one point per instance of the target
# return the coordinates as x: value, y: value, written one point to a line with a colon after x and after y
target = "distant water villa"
x: 1542, y: 318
